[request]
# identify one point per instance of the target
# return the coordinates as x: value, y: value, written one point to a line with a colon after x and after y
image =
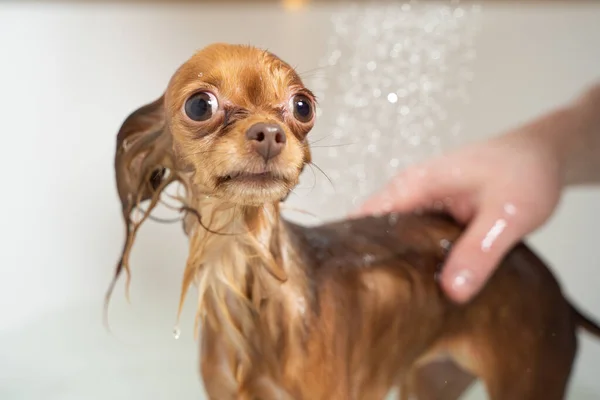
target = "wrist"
x: 580, y: 140
x: 570, y: 138
x: 550, y: 139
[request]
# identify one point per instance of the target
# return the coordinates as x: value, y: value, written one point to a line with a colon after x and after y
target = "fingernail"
x: 462, y: 282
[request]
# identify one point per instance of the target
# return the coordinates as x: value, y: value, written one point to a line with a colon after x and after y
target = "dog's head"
x: 232, y: 124
x: 238, y: 117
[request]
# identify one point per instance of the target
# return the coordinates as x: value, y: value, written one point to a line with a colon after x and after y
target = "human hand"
x: 503, y: 189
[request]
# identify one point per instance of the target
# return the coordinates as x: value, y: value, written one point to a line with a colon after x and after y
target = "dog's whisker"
x: 320, y: 140
x: 164, y: 220
x: 333, y: 145
x: 159, y: 219
x: 314, y: 184
x: 312, y: 70
x: 302, y: 211
x: 170, y: 206
x: 194, y: 212
x: 324, y: 174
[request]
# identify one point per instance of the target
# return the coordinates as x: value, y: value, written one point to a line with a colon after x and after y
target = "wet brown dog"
x: 347, y: 310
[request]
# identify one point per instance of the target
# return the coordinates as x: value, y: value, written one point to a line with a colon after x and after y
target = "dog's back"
x: 376, y: 292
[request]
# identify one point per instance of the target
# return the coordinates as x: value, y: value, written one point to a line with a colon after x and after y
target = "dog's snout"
x: 268, y: 140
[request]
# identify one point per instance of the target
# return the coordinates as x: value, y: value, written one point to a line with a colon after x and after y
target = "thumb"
x: 479, y: 251
x: 414, y: 188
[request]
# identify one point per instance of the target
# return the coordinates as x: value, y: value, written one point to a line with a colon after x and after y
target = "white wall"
x: 69, y: 75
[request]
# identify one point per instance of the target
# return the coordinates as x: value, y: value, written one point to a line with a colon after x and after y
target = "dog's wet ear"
x: 144, y: 167
x: 143, y: 155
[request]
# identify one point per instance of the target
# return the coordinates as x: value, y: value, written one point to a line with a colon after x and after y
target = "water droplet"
x: 393, y: 218
x: 493, y: 234
x: 417, y: 56
x: 434, y: 141
x: 510, y: 209
x: 462, y: 279
x: 176, y: 332
x: 200, y: 75
x: 368, y: 259
x: 386, y: 206
x: 445, y: 244
x: 301, y: 304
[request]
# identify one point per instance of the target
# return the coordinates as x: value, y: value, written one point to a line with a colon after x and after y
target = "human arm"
x: 503, y: 188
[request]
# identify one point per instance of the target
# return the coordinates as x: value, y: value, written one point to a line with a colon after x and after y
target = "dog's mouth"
x: 245, y: 177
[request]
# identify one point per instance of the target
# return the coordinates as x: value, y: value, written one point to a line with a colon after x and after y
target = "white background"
x: 69, y: 74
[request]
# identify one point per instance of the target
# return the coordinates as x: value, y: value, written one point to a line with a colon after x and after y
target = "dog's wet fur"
x: 346, y: 310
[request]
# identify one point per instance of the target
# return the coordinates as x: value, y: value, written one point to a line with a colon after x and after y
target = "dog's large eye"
x: 302, y: 108
x: 201, y: 106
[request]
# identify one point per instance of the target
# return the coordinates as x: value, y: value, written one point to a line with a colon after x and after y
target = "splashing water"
x: 445, y: 244
x: 391, y: 80
x: 176, y: 332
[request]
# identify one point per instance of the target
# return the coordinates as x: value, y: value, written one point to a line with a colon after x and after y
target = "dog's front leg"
x: 216, y: 367
x: 438, y: 380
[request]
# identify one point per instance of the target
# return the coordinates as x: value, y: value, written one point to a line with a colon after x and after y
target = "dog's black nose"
x: 267, y: 139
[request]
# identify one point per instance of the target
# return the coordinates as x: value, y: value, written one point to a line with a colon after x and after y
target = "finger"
x: 402, y: 193
x: 416, y: 187
x: 479, y: 251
